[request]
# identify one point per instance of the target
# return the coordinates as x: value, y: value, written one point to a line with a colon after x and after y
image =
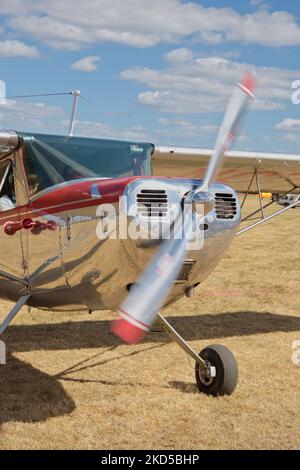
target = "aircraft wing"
x: 278, y: 172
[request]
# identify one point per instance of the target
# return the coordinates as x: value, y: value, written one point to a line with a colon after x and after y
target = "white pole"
x: 76, y: 94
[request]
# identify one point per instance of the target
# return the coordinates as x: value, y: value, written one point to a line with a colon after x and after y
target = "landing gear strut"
x: 216, y: 369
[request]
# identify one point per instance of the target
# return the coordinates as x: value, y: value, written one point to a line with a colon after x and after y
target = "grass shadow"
x: 97, y: 333
x: 29, y: 395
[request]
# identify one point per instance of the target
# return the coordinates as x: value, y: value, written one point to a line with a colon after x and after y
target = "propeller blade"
x: 139, y: 310
x: 235, y: 109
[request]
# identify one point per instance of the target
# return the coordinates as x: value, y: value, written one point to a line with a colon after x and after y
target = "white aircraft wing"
x: 278, y: 172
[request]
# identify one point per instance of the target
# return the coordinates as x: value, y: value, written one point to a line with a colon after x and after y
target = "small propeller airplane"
x: 61, y: 244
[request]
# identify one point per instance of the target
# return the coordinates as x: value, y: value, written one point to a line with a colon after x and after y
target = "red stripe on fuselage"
x: 71, y: 197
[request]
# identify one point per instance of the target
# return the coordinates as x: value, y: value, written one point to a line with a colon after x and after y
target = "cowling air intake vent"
x: 225, y: 207
x: 152, y: 203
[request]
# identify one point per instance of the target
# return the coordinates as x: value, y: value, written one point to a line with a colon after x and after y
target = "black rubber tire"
x: 226, y: 366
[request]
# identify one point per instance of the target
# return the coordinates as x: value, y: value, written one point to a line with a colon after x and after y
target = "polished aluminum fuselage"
x: 71, y: 268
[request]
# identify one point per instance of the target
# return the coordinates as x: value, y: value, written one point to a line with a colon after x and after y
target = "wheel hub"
x: 207, y: 374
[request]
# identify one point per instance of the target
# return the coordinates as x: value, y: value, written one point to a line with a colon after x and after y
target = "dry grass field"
x: 69, y: 383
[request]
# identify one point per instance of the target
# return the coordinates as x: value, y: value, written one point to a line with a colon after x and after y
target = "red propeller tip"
x: 126, y: 331
x: 249, y: 82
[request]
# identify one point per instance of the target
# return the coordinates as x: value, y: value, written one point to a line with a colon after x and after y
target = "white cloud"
x: 290, y: 130
x: 10, y: 7
x: 205, y: 84
x: 140, y: 23
x: 212, y: 37
x: 288, y: 124
x: 51, y: 30
x: 290, y: 137
x: 63, y: 45
x: 179, y: 55
x: 260, y: 4
x: 24, y: 115
x: 86, y: 64
x: 208, y: 128
x: 105, y: 131
x: 39, y: 117
x: 13, y: 48
x: 182, y: 129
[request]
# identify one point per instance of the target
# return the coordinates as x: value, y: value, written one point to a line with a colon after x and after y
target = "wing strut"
x: 16, y: 308
x: 266, y: 219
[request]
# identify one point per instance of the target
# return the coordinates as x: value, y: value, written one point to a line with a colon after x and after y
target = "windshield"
x: 53, y: 159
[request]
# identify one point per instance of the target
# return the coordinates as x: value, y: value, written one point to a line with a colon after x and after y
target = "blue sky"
x: 160, y: 71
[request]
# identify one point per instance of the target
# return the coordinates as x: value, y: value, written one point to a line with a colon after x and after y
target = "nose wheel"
x: 225, y: 378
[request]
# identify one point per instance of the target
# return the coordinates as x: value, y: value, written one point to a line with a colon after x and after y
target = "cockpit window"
x: 50, y: 159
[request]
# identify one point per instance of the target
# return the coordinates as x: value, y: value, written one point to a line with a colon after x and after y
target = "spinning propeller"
x: 138, y: 311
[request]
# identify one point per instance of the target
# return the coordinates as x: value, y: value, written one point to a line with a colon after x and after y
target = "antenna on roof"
x: 76, y: 95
